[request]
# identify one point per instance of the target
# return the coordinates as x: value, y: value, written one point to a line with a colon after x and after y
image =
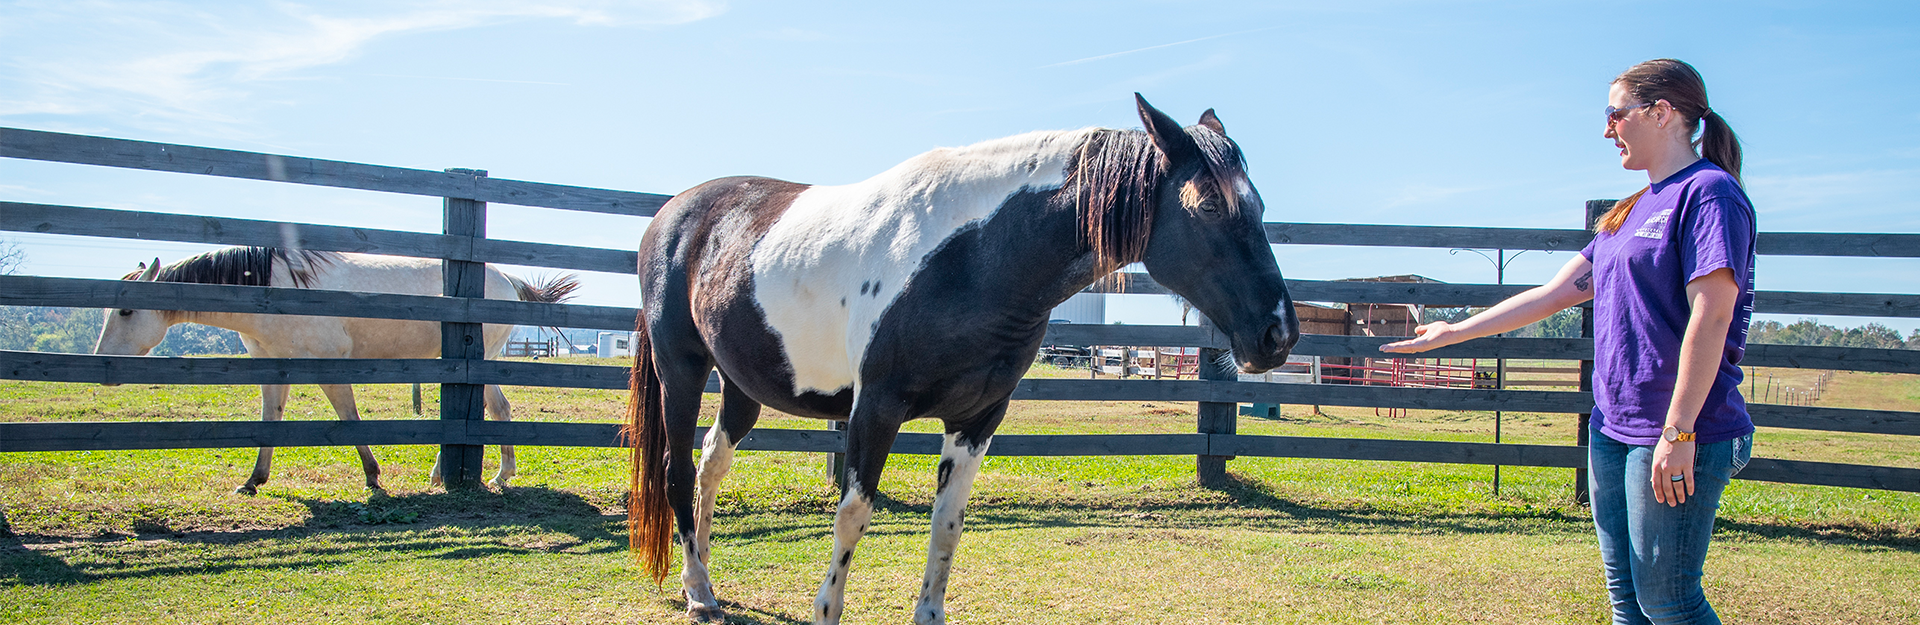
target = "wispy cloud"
x: 1164, y: 45
x: 186, y: 62
x: 501, y: 80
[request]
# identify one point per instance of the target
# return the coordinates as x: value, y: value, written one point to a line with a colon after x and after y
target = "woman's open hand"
x: 1429, y: 336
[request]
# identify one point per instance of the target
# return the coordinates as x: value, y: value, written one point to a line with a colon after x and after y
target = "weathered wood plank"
x: 1835, y: 419
x: 1834, y: 358
x: 1852, y: 304
x: 216, y: 434
x: 1321, y: 394
x: 1401, y: 450
x: 89, y: 293
x: 125, y: 224
x: 124, y: 153
x: 1867, y: 244
x: 90, y: 369
x: 1442, y: 294
x: 1283, y: 233
x: 1831, y: 474
x: 1855, y: 244
x: 33, y: 437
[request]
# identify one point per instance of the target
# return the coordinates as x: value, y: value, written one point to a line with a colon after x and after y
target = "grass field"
x: 156, y: 536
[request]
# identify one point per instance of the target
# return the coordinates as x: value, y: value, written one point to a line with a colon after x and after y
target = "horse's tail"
x: 649, y: 518
x: 548, y: 289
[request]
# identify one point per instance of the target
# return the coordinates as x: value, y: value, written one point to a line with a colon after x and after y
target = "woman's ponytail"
x: 1718, y: 143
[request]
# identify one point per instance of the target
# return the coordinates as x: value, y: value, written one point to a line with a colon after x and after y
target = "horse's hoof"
x: 705, y: 613
x: 498, y: 484
x: 246, y: 489
x: 375, y: 491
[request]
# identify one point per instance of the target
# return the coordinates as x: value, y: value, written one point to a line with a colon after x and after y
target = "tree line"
x: 74, y: 331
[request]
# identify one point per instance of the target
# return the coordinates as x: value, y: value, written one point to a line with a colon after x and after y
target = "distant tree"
x: 48, y: 329
x: 1560, y: 325
x: 1810, y: 332
x: 12, y: 258
x: 192, y: 339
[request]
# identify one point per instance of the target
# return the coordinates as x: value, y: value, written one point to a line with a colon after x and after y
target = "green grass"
x: 157, y: 537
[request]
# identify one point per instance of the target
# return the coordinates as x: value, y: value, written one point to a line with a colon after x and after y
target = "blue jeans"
x: 1654, y: 552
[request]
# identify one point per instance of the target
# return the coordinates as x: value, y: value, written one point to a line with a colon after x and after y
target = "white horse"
x: 136, y: 332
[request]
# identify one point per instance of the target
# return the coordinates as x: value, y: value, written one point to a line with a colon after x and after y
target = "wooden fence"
x: 465, y: 246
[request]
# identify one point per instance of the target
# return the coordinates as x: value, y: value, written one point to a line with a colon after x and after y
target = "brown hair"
x: 1681, y: 86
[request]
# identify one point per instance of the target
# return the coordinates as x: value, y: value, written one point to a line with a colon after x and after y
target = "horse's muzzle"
x: 1273, y: 347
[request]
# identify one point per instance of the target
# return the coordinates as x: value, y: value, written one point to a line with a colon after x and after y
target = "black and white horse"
x: 922, y: 292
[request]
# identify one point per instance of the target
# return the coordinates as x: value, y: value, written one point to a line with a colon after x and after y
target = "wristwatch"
x: 1674, y: 435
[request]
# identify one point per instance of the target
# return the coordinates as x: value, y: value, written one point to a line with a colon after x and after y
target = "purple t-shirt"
x: 1695, y: 222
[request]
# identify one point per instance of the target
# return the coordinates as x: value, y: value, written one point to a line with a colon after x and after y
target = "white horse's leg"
x: 849, y: 525
x: 273, y: 406
x: 716, y: 457
x: 341, y: 396
x: 499, y: 410
x: 959, y: 464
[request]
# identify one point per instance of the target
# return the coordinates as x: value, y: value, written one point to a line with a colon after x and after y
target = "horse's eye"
x: 125, y: 312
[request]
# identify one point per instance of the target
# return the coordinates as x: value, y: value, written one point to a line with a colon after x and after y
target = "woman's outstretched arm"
x: 1573, y: 285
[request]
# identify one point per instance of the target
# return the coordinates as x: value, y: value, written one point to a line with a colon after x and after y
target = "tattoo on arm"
x: 1583, y: 282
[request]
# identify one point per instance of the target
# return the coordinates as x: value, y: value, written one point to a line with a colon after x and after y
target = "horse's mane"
x: 1112, y: 183
x: 245, y: 266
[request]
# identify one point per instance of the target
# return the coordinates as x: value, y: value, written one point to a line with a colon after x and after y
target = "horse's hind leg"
x: 738, y: 413
x: 499, y: 410
x: 341, y: 396
x: 682, y: 383
x: 273, y: 406
x: 870, y: 433
x: 960, y: 458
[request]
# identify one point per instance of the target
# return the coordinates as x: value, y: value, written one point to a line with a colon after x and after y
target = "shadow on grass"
x: 467, y: 526
x: 448, y: 526
x: 20, y: 565
x: 1247, y: 503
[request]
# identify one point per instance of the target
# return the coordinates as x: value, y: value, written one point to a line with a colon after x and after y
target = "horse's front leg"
x: 341, y: 396
x: 273, y: 407
x: 499, y: 410
x: 960, y: 458
x: 869, y: 439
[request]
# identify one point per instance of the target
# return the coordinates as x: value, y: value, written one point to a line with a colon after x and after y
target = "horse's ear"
x: 1209, y: 120
x: 1167, y: 134
x: 152, y: 271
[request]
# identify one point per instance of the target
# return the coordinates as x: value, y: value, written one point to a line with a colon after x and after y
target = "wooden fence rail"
x: 465, y: 244
x: 73, y: 368
x: 29, y: 437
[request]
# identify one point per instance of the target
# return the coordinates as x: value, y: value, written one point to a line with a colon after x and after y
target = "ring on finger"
x: 1677, y: 478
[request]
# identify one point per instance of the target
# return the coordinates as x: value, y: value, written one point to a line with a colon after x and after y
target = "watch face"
x: 1670, y: 434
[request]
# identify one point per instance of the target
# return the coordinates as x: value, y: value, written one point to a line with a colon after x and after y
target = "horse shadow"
x: 447, y: 526
x: 20, y: 564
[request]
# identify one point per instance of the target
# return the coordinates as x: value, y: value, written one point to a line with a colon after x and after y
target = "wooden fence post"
x: 460, y: 464
x: 1595, y: 208
x: 1215, y: 417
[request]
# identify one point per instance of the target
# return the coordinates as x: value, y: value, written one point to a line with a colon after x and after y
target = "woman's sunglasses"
x: 1614, y: 115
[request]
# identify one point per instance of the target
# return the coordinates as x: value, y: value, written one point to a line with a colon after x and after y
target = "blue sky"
x: 1455, y: 113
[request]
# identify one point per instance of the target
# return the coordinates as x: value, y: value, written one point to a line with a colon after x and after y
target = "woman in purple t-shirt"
x: 1670, y: 273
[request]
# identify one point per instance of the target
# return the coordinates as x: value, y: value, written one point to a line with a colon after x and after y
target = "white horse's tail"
x: 547, y: 289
